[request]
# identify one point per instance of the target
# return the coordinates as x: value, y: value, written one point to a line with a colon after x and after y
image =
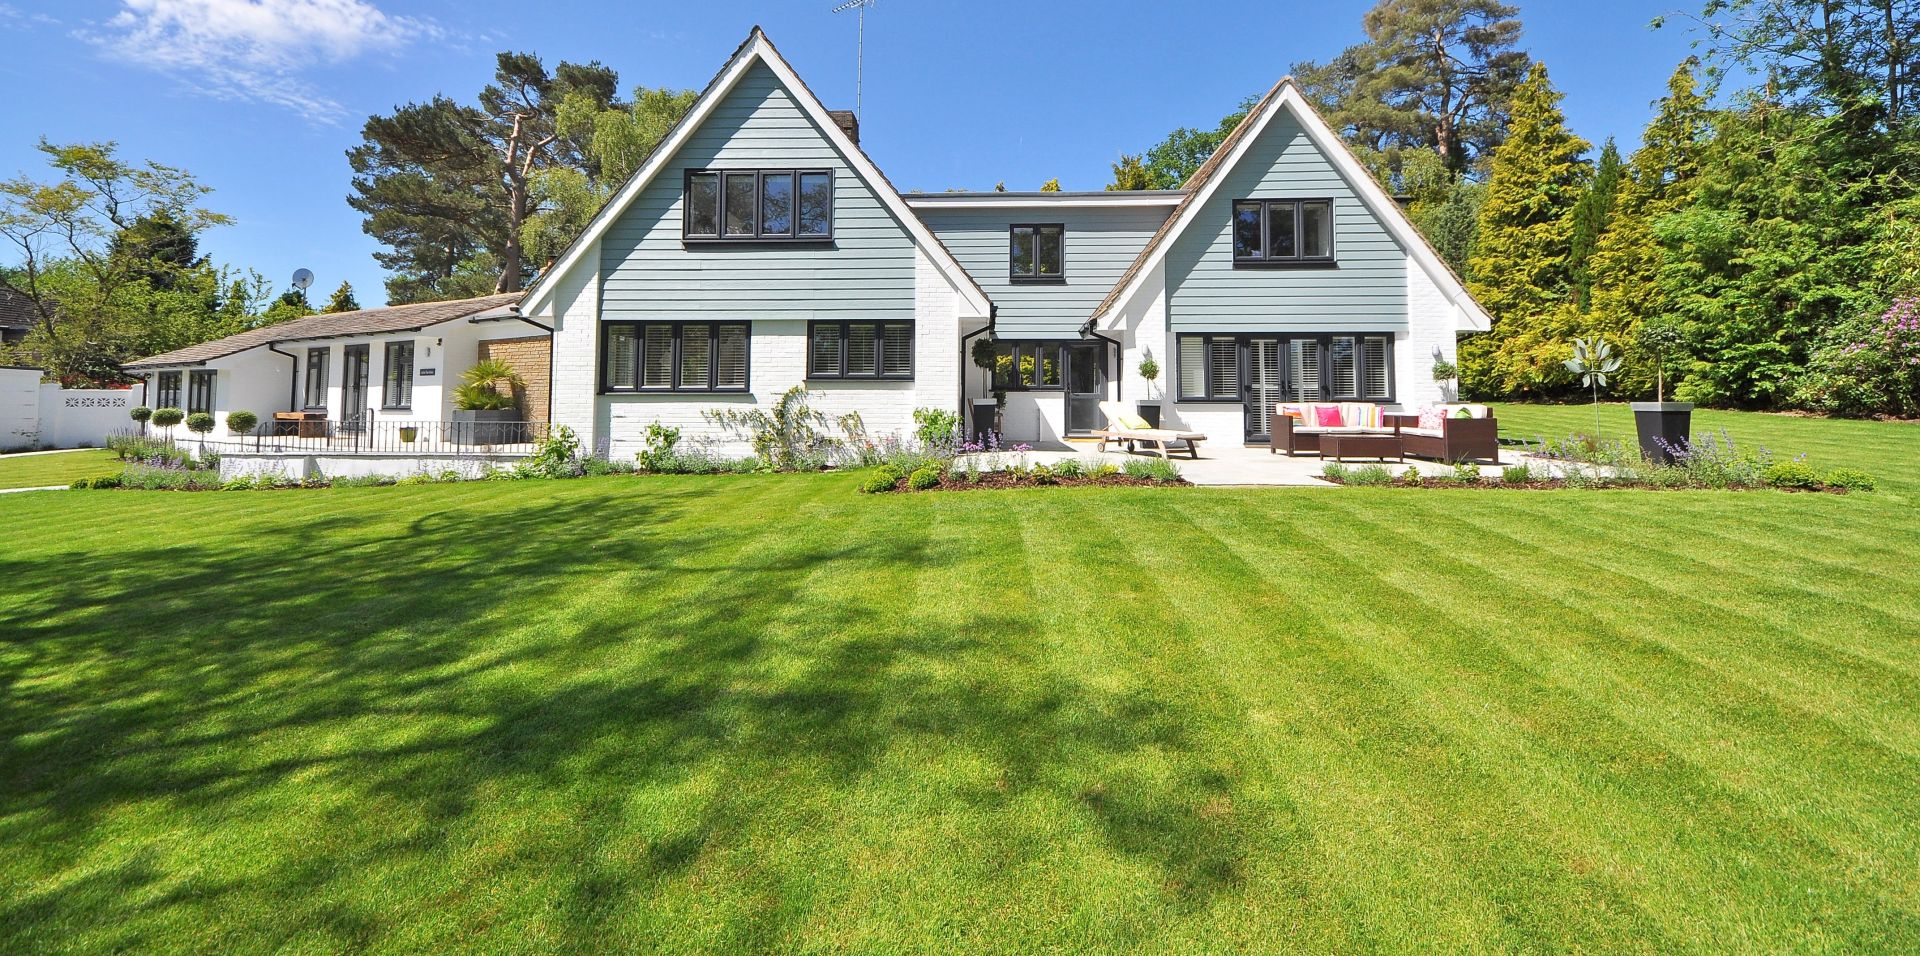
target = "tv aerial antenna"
x: 859, y: 49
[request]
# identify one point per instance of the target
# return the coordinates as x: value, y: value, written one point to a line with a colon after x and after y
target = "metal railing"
x: 384, y: 436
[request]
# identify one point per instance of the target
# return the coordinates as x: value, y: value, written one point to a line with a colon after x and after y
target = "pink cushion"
x: 1328, y: 416
x: 1433, y: 417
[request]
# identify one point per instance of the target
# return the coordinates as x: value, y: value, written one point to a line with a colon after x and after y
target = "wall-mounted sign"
x: 426, y: 373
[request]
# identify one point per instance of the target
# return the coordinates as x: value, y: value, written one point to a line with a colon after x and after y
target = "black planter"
x: 1149, y: 411
x: 986, y: 419
x: 1663, y: 426
x: 500, y: 426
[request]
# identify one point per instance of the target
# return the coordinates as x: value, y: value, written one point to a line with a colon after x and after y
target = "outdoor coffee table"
x: 1341, y: 447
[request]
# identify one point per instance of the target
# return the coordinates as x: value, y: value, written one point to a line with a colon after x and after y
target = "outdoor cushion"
x: 1362, y: 414
x: 1432, y: 416
x: 1463, y: 413
x: 1424, y: 432
x: 1327, y: 416
x: 1134, y: 422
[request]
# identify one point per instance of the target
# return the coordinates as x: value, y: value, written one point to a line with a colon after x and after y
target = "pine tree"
x: 1051, y: 185
x: 1520, y: 270
x: 343, y: 300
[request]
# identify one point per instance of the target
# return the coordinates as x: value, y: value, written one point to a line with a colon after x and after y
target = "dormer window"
x: 1283, y: 232
x: 1037, y: 253
x: 758, y: 205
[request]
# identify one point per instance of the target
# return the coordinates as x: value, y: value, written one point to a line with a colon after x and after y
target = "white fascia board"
x: 1131, y: 202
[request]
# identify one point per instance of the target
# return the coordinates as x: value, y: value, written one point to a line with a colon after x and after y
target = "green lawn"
x: 41, y: 471
x: 764, y: 713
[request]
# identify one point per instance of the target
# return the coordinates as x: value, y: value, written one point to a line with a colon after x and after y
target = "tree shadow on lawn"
x: 443, y: 671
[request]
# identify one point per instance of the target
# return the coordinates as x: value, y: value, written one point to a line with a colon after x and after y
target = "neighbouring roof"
x: 16, y: 310
x: 397, y: 318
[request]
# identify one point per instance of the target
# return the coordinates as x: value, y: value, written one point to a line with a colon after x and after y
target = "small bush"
x: 168, y: 417
x: 1849, y: 479
x: 363, y: 481
x: 1370, y: 475
x: 924, y: 479
x: 242, y: 423
x: 1102, y: 468
x: 1516, y: 474
x: 1791, y: 474
x: 98, y: 481
x: 200, y: 423
x: 1466, y: 473
x: 240, y: 483
x: 1409, y: 477
x: 659, y: 453
x: 140, y: 413
x: 884, y: 478
x: 1069, y: 468
x: 1335, y: 471
x: 936, y: 427
x: 1152, y: 469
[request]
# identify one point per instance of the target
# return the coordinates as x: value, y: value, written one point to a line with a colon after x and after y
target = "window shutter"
x: 826, y: 349
x: 862, y: 354
x: 1306, y: 369
x: 1346, y: 380
x: 730, y: 365
x: 696, y: 356
x: 621, y: 368
x: 657, y: 361
x: 1193, y: 366
x: 897, y: 349
x: 1374, y: 361
x: 1224, y: 357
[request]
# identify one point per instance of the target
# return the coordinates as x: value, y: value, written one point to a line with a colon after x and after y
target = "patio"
x: 1228, y: 465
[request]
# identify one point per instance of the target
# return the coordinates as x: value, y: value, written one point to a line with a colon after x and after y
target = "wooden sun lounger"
x: 1159, y: 439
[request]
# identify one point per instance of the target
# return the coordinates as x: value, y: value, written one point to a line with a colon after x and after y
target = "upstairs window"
x: 166, y: 390
x: 1283, y: 232
x: 746, y: 205
x: 1038, y: 253
x: 200, y: 391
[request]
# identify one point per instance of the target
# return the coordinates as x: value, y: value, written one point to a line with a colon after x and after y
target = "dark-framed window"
x: 200, y: 390
x: 1318, y: 367
x: 317, y: 360
x: 1037, y: 252
x: 1027, y: 366
x: 166, y: 390
x: 860, y: 350
x: 674, y: 356
x: 758, y: 205
x: 397, y: 388
x: 1283, y: 232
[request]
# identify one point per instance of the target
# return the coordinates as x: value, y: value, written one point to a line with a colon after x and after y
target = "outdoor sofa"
x: 1450, y: 433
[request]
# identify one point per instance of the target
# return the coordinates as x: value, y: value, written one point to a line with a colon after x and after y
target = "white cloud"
x: 255, y: 49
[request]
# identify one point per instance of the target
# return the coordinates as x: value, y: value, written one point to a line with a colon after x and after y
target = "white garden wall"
x: 36, y: 414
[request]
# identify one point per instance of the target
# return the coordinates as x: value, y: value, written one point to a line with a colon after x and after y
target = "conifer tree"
x: 1590, y: 217
x: 343, y: 300
x: 1520, y: 270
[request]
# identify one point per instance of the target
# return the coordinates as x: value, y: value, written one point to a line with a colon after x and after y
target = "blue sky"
x: 261, y: 98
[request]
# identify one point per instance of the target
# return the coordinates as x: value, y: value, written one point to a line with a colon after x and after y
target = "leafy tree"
x: 1453, y: 226
x: 1169, y: 163
x: 90, y: 244
x: 1130, y: 173
x: 618, y: 140
x: 1520, y: 270
x: 292, y: 304
x: 1438, y: 74
x: 441, y: 182
x: 1860, y: 57
x: 1051, y: 185
x: 342, y: 300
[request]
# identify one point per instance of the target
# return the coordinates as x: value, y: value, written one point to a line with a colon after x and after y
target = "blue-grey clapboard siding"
x: 867, y: 272
x: 1100, y: 244
x: 1366, y: 292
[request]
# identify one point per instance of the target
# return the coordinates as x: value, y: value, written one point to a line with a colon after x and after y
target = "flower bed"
x: 1695, y: 473
x: 945, y: 475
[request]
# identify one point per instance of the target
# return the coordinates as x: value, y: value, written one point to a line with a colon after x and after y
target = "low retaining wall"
x: 300, y: 466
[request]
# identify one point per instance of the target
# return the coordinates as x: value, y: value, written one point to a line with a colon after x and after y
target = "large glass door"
x: 1265, y: 385
x: 1086, y: 387
x: 353, y: 391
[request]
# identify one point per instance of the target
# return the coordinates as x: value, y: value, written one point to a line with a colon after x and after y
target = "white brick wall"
x: 616, y: 425
x: 1431, y: 324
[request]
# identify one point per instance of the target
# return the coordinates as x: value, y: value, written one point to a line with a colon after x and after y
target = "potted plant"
x: 484, y: 408
x: 986, y: 411
x: 140, y: 413
x: 1444, y: 375
x: 408, y: 433
x: 1663, y: 425
x: 1150, y: 408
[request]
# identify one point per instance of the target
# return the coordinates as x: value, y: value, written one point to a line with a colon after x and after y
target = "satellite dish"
x: 302, y: 278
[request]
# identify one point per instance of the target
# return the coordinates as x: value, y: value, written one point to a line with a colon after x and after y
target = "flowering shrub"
x: 1868, y: 366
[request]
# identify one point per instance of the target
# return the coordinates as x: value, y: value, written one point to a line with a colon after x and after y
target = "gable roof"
x: 757, y: 49
x: 397, y: 318
x: 1206, y: 181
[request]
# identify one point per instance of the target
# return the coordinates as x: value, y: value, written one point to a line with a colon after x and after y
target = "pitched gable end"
x: 757, y: 50
x: 1206, y: 181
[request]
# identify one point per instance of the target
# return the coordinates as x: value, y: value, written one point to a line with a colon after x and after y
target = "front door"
x: 353, y: 391
x: 1086, y: 388
x: 1265, y: 384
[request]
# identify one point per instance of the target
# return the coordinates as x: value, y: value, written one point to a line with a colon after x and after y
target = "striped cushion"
x: 1362, y: 415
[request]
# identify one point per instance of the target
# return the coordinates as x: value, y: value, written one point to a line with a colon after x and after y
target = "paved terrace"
x: 1227, y: 464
